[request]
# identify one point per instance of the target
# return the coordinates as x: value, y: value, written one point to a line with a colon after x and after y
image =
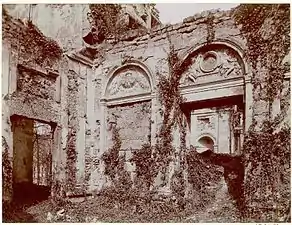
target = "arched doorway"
x: 213, y: 87
x: 205, y: 143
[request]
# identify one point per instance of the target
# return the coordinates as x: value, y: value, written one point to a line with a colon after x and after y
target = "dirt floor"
x: 97, y: 209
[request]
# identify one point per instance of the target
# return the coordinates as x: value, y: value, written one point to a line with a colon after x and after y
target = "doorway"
x: 32, y: 159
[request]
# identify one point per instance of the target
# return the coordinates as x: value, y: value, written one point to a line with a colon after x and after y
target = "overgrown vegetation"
x: 267, y: 30
x: 6, y: 169
x: 29, y: 41
x: 267, y: 151
x: 104, y: 18
x: 71, y: 152
x: 268, y: 179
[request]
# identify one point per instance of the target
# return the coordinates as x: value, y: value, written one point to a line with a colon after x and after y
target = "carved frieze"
x: 128, y: 82
x: 212, y: 65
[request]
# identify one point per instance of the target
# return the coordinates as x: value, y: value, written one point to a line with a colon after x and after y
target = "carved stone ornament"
x: 206, y: 124
x: 128, y: 82
x: 220, y: 63
x: 209, y: 62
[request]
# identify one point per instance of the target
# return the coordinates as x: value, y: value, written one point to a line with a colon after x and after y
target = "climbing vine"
x: 171, y: 100
x: 111, y: 157
x: 267, y: 151
x: 71, y: 151
x: 6, y: 169
x: 30, y: 41
x: 267, y: 30
x: 104, y: 18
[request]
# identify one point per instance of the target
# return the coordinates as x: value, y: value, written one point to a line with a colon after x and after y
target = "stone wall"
x: 32, y: 84
x: 76, y: 93
x: 133, y: 122
x: 53, y: 20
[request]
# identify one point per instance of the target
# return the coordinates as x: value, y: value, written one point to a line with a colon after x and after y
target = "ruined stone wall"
x: 53, y: 20
x: 133, y: 122
x: 76, y: 107
x: 30, y: 79
x: 152, y: 48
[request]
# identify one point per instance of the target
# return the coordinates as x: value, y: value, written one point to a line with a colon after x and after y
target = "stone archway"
x: 214, y: 86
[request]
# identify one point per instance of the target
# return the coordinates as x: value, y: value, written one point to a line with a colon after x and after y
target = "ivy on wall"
x: 267, y: 151
x: 171, y: 100
x: 104, y: 18
x: 71, y: 152
x: 267, y: 30
x: 6, y: 169
x: 29, y: 42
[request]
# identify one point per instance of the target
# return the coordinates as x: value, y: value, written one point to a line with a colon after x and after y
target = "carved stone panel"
x: 211, y: 65
x: 127, y: 82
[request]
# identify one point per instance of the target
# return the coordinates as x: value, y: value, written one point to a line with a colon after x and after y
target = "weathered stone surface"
x: 86, y: 92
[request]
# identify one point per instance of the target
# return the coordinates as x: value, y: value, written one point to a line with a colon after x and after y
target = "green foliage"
x: 201, y: 175
x: 6, y: 169
x: 267, y: 152
x: 145, y: 164
x: 268, y: 156
x: 171, y: 100
x: 111, y: 157
x: 119, y: 192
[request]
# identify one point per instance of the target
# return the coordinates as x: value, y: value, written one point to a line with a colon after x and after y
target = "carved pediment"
x: 127, y: 82
x: 220, y: 63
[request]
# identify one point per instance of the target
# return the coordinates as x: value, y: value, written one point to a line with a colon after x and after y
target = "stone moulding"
x: 132, y: 66
x: 49, y: 73
x: 219, y: 42
x: 233, y: 86
x: 77, y: 56
x: 128, y: 99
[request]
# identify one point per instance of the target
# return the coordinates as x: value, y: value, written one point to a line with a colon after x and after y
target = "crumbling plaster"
x: 90, y: 78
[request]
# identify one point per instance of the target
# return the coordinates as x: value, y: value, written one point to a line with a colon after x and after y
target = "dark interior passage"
x: 32, y: 160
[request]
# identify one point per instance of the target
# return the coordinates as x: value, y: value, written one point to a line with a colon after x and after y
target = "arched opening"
x: 205, y: 143
x: 213, y: 87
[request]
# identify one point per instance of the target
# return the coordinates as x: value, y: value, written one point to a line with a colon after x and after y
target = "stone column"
x: 12, y: 76
x: 248, y: 102
x: 193, y: 129
x: 56, y: 151
x: 81, y: 132
x: 5, y: 70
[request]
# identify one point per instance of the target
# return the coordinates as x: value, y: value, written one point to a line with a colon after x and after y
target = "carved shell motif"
x: 129, y: 82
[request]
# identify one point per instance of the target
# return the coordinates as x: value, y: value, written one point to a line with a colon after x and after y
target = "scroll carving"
x: 217, y: 64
